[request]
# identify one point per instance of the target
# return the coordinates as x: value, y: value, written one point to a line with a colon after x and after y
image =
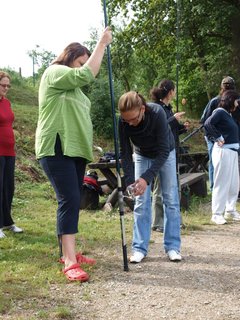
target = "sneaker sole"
x: 175, y: 260
x: 134, y: 261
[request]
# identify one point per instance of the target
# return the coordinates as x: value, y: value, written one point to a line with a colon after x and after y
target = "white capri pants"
x: 226, y: 179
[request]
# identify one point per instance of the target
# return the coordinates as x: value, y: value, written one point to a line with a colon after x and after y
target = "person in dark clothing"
x: 227, y: 83
x: 145, y: 129
x: 224, y: 130
x: 162, y: 97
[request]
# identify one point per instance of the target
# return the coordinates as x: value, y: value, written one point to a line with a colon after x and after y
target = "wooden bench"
x: 194, y: 183
x: 191, y: 183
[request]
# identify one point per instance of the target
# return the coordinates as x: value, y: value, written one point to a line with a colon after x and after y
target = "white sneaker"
x: 136, y: 257
x: 2, y: 234
x: 174, y: 255
x: 218, y: 219
x: 234, y: 215
x: 13, y: 228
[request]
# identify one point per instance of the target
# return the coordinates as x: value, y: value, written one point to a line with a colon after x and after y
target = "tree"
x: 206, y: 41
x: 42, y: 58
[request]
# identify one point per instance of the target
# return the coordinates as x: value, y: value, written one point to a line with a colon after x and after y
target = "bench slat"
x: 191, y: 178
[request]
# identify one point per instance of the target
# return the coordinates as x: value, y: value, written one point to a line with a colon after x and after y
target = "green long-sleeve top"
x: 65, y: 110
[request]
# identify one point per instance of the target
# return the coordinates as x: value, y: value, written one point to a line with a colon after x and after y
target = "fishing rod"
x: 119, y: 180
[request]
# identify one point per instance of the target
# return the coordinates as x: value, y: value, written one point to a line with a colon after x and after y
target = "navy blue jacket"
x: 151, y: 138
x: 176, y: 127
x: 221, y: 123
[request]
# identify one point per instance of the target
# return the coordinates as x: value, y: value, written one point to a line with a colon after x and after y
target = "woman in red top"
x: 7, y: 158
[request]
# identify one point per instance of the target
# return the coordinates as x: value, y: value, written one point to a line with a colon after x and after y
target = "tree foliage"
x: 200, y: 38
x: 41, y: 58
x: 101, y: 112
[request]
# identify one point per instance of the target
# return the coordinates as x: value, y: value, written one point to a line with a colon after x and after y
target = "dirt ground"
x: 205, y: 285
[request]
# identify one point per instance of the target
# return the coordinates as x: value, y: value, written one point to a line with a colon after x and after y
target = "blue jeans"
x: 210, y: 165
x: 142, y: 208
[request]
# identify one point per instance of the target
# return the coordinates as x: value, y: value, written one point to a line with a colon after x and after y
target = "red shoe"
x: 74, y: 272
x: 82, y: 259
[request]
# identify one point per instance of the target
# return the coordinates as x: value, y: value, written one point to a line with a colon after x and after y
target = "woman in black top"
x: 162, y: 97
x: 145, y: 129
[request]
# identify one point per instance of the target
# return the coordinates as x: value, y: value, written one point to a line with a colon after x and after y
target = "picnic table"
x: 108, y: 170
x: 195, y: 161
x: 193, y: 178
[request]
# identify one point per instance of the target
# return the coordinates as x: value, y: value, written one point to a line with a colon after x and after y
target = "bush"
x: 101, y: 112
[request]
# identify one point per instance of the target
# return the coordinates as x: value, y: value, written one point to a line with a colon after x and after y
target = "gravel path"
x: 205, y: 285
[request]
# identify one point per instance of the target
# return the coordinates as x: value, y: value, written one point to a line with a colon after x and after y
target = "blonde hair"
x: 130, y: 100
x: 4, y: 74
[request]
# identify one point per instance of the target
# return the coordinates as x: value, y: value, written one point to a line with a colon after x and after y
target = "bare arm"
x: 95, y: 60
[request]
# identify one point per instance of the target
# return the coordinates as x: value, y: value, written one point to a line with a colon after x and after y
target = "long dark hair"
x: 227, y: 100
x: 160, y: 92
x: 70, y: 53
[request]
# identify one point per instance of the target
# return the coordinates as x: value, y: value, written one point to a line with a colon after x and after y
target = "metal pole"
x: 120, y: 191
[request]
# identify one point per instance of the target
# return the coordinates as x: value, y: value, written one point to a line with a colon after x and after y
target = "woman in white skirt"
x: 224, y: 129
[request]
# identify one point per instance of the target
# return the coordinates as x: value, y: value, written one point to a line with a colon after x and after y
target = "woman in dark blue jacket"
x: 224, y: 130
x: 145, y: 129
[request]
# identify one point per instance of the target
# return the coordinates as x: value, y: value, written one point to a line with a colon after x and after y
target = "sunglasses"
x: 8, y: 86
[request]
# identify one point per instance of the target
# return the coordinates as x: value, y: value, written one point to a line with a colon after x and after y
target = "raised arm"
x: 95, y: 60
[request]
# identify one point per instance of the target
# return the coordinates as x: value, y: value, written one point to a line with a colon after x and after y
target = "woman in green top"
x: 64, y: 139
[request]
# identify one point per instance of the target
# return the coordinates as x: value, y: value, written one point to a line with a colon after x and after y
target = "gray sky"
x: 51, y: 24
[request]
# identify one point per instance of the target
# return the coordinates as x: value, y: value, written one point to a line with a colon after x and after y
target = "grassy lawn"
x: 27, y: 261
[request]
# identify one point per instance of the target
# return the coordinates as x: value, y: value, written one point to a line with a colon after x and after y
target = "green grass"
x: 28, y: 261
x: 198, y: 214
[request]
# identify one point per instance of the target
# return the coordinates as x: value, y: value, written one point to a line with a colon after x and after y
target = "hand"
x: 106, y: 37
x: 140, y: 186
x: 178, y: 115
x: 220, y: 143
